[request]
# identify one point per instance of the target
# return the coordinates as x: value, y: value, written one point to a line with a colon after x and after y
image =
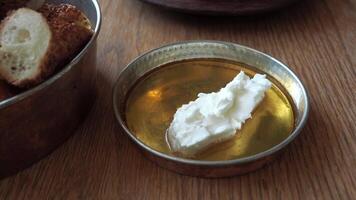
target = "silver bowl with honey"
x: 150, y: 89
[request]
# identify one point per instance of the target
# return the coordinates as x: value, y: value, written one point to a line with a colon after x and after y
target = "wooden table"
x: 317, y: 39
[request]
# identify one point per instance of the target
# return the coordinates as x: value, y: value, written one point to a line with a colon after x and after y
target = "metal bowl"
x: 211, y: 49
x: 35, y: 122
x: 222, y: 7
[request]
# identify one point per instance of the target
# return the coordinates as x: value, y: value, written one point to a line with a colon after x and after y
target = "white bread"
x: 41, y: 42
x: 25, y: 39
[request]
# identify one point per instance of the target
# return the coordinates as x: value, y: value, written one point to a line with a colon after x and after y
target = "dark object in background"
x: 7, y: 5
x: 222, y: 7
x: 5, y: 91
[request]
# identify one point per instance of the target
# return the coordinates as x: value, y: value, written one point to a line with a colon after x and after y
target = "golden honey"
x: 155, y: 98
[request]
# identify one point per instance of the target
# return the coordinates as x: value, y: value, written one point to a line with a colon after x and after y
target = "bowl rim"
x: 218, y: 163
x: 23, y: 95
x: 206, y: 10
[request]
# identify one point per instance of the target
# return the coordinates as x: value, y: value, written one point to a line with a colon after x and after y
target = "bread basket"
x: 35, y: 122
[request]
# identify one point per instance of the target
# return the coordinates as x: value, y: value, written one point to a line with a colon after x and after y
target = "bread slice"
x: 34, y: 44
x: 25, y: 40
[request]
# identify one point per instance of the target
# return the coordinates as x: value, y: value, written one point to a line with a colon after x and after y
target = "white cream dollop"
x: 216, y: 116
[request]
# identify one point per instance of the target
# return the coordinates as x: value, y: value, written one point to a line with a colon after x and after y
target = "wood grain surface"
x: 316, y: 38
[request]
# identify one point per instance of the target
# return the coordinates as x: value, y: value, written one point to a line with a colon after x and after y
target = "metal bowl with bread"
x: 39, y: 112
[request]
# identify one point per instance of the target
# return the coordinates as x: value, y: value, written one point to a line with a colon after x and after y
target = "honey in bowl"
x: 154, y: 99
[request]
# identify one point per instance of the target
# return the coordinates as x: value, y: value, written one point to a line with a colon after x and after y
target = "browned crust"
x: 70, y: 32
